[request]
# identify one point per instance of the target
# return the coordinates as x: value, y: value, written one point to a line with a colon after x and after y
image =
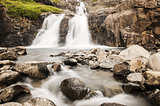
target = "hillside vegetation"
x: 28, y: 8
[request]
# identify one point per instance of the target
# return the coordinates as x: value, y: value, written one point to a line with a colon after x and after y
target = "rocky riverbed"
x: 133, y: 71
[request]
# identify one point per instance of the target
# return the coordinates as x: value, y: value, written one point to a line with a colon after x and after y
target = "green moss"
x: 55, y: 1
x: 94, y: 0
x: 27, y: 8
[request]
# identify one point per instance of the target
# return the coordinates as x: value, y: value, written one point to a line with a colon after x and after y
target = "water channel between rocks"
x: 99, y: 80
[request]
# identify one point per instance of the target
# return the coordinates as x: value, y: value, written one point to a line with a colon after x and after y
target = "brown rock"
x: 57, y: 67
x: 74, y: 88
x: 39, y: 102
x: 9, y: 77
x: 12, y: 104
x: 111, y: 104
x: 33, y: 69
x: 12, y: 92
x: 9, y: 55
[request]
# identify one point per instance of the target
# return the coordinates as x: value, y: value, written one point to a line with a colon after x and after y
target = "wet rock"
x: 152, y: 78
x: 153, y: 97
x: 110, y: 61
x: 110, y: 91
x: 136, y: 78
x: 12, y: 92
x: 70, y: 62
x: 130, y: 87
x: 33, y: 69
x: 121, y: 69
x: 12, y: 104
x: 9, y: 55
x: 6, y: 62
x: 73, y: 88
x: 154, y: 62
x: 57, y: 67
x: 133, y: 52
x: 112, y: 104
x: 39, y: 102
x: 93, y: 64
x: 20, y: 50
x: 8, y: 77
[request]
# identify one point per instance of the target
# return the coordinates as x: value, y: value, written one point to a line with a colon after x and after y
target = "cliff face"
x: 130, y: 22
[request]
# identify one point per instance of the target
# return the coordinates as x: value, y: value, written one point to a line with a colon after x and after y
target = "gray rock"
x: 133, y: 52
x: 74, y: 88
x: 136, y: 78
x: 154, y: 62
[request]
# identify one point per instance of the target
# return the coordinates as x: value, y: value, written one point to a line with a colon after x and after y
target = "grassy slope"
x: 28, y: 8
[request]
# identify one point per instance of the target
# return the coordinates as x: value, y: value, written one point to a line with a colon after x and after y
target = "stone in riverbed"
x: 33, y: 69
x: 112, y: 104
x: 121, y: 69
x: 74, y: 88
x: 6, y: 62
x: 8, y: 77
x: 12, y: 104
x: 12, y: 92
x: 57, y: 67
x: 110, y: 61
x: 71, y: 62
x: 154, y: 61
x: 93, y: 64
x: 152, y: 78
x: 9, y: 55
x: 133, y: 52
x: 39, y: 102
x: 153, y: 97
x: 20, y: 50
x: 136, y: 78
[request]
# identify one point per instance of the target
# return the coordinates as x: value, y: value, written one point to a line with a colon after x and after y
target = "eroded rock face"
x: 33, y: 69
x: 74, y: 88
x: 39, y: 102
x: 12, y: 92
x: 154, y: 62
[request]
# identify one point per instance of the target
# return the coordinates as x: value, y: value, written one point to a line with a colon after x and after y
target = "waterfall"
x: 78, y: 34
x: 49, y: 33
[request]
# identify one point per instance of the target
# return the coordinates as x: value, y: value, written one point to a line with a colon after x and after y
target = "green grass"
x: 55, y: 1
x: 27, y: 8
x: 94, y: 0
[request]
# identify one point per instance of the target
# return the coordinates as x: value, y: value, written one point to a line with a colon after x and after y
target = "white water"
x: 78, y: 34
x: 48, y: 35
x: 50, y: 89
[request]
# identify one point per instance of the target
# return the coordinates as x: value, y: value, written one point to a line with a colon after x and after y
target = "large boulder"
x: 32, y: 69
x: 154, y: 61
x: 133, y: 52
x: 110, y: 61
x: 39, y: 102
x: 12, y: 92
x: 74, y: 88
x: 8, y: 77
x: 152, y: 78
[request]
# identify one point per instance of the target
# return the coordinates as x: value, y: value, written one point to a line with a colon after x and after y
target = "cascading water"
x: 78, y: 34
x: 49, y: 33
